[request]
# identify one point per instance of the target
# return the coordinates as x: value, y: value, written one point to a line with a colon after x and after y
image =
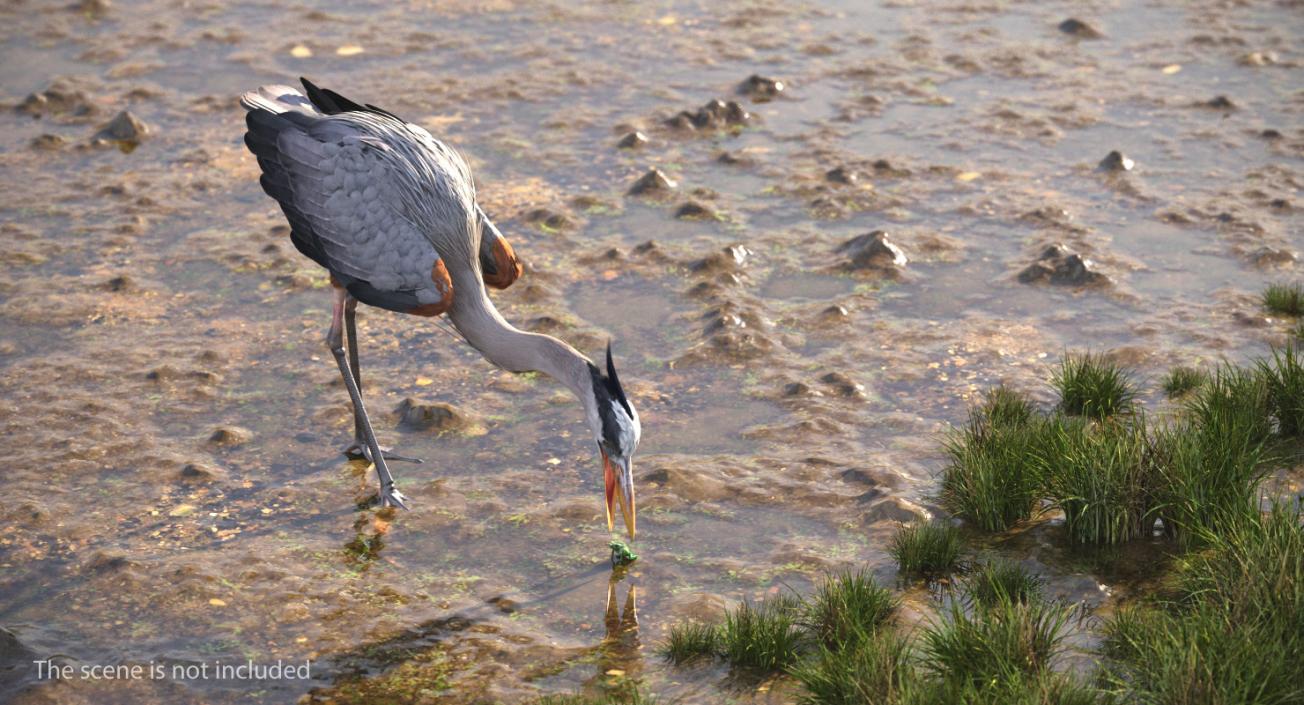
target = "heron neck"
x: 502, y: 344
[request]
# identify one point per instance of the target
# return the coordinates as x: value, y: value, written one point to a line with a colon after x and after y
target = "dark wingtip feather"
x: 319, y: 98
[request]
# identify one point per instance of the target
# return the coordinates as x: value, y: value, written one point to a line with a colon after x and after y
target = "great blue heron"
x: 391, y: 213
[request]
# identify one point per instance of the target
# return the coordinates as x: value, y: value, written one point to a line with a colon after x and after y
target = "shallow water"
x: 496, y: 586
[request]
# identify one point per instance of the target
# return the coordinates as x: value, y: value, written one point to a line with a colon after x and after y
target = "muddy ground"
x: 173, y: 492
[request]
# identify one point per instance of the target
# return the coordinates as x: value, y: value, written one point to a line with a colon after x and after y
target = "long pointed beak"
x: 619, y: 477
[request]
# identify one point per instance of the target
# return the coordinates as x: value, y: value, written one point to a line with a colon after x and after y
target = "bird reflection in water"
x: 620, y: 662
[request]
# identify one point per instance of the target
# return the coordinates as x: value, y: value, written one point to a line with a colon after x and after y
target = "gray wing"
x: 339, y: 188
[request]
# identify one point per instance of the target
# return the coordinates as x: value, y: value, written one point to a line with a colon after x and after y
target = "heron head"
x: 616, y: 429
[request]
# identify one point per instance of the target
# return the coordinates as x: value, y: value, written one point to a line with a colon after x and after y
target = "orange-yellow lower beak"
x: 615, y: 493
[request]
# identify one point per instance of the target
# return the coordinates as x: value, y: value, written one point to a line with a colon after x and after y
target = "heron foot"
x: 391, y: 497
x: 360, y: 451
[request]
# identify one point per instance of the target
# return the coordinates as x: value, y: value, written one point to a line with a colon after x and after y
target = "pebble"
x: 1061, y: 266
x: 124, y: 127
x: 761, y: 87
x: 1080, y: 29
x: 230, y: 436
x: 653, y: 182
x: 842, y: 175
x: 1116, y: 161
x: 695, y: 211
x: 873, y: 250
x: 633, y: 140
x: 434, y: 416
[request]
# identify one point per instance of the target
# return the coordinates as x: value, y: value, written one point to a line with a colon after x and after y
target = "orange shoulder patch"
x: 443, y: 282
x: 507, y: 268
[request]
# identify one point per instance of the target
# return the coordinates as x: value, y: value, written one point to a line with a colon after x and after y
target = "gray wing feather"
x: 346, y: 189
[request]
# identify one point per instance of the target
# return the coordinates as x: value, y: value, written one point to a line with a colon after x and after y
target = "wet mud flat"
x: 861, y: 217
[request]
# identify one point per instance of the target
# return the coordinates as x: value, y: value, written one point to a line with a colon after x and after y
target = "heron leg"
x: 389, y: 496
x: 359, y: 449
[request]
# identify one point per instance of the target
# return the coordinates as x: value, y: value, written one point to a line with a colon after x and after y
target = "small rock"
x: 106, y: 562
x: 683, y: 122
x: 843, y: 385
x: 729, y: 259
x: 647, y: 249
x: 733, y: 158
x: 835, y: 313
x: 653, y: 182
x: 230, y: 436
x: 715, y: 114
x: 1061, y: 266
x: 419, y: 416
x: 720, y: 321
x: 199, y: 473
x: 795, y: 390
x: 58, y: 99
x: 1080, y: 29
x: 163, y: 373
x: 124, y: 127
x: 49, y: 142
x: 1272, y: 256
x: 633, y: 140
x: 121, y: 283
x: 858, y: 476
x: 695, y: 211
x: 1271, y: 134
x: 894, y: 509
x: 842, y: 175
x: 1221, y: 102
x: 872, y: 251
x: 94, y: 8
x: 549, y: 219
x: 885, y: 168
x: 761, y: 87
x: 1260, y: 58
x: 1116, y: 161
x: 1251, y: 320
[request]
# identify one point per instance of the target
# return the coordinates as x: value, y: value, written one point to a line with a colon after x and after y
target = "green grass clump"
x: 1104, y: 480
x: 1182, y: 380
x: 996, y: 468
x: 763, y: 637
x: 1207, y: 477
x: 1006, y: 407
x: 1158, y: 657
x: 1286, y: 299
x: 691, y: 640
x: 847, y: 608
x: 1212, y: 462
x: 1283, y: 376
x: 995, y: 646
x: 1237, y: 629
x: 1234, y: 403
x: 926, y: 549
x: 1093, y: 386
x: 1253, y: 568
x: 876, y: 669
x: 1000, y: 580
x: 1042, y: 689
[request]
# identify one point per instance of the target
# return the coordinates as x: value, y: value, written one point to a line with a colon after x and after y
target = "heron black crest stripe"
x: 613, y: 383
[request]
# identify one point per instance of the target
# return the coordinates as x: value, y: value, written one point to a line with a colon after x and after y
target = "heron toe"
x: 391, y: 497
